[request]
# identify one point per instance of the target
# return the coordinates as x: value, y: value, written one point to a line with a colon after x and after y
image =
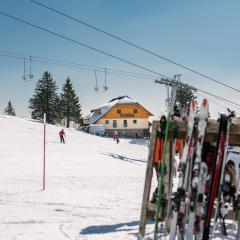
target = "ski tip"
x: 193, y: 103
x: 205, y: 102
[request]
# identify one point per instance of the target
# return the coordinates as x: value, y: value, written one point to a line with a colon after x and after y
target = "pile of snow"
x: 93, y: 185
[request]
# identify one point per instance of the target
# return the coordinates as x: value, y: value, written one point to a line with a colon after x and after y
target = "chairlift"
x: 24, y: 69
x: 105, y: 88
x: 96, y: 88
x: 30, y: 75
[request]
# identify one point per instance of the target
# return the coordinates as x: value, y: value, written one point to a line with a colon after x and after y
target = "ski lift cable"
x: 220, y: 104
x: 100, y: 69
x: 148, y: 78
x: 94, y: 49
x: 114, y: 71
x: 210, y: 94
x: 136, y: 46
x: 81, y: 44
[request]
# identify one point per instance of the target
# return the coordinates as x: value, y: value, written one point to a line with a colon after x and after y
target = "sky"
x: 202, y: 35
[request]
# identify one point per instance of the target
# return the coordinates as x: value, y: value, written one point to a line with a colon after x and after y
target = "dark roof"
x: 119, y: 98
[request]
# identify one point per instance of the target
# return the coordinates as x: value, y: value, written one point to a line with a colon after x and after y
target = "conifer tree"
x: 9, y: 110
x: 70, y: 106
x: 45, y: 99
x: 184, y: 94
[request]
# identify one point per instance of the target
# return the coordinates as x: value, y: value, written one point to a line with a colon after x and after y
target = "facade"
x: 72, y: 124
x: 124, y: 115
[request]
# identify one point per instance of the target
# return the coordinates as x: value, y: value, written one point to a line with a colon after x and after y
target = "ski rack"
x: 147, y: 210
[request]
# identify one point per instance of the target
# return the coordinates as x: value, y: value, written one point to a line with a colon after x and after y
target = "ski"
x: 199, y: 171
x: 179, y: 196
x: 219, y: 193
x: 199, y: 215
x: 217, y: 166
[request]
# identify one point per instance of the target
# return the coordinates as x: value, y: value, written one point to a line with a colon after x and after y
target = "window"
x: 118, y: 110
x: 135, y: 110
x: 114, y: 123
x: 134, y: 121
x: 106, y: 121
x: 124, y: 123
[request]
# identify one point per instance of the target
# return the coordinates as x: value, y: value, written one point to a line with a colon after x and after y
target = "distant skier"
x: 117, y: 137
x: 62, y: 135
x: 114, y: 135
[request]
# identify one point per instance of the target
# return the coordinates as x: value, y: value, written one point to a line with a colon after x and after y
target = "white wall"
x: 141, y: 123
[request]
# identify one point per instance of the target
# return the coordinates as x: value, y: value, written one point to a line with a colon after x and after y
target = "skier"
x: 117, y: 137
x: 114, y: 135
x: 62, y: 135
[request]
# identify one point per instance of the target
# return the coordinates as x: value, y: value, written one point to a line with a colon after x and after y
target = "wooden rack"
x: 210, y: 136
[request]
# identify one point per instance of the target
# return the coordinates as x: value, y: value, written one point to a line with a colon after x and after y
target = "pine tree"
x: 59, y: 112
x: 184, y: 94
x: 45, y: 99
x: 9, y: 110
x: 71, y: 108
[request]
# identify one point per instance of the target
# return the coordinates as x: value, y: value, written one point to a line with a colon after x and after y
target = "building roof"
x: 98, y: 112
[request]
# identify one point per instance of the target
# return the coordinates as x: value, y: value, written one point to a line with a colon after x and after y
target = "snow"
x: 93, y: 185
x: 104, y: 109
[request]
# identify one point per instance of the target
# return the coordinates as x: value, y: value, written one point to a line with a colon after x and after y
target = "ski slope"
x: 93, y: 185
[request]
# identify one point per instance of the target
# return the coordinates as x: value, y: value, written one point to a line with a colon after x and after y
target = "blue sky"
x: 203, y: 35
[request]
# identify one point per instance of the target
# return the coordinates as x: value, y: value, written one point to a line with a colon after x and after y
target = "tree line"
x: 58, y: 107
x: 66, y: 105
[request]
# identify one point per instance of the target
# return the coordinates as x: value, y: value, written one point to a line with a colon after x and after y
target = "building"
x: 123, y: 114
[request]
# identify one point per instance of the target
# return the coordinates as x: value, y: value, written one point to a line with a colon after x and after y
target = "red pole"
x: 44, y: 150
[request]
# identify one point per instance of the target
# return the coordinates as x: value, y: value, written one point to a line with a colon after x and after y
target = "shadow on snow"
x: 142, y: 141
x: 103, y: 229
x: 123, y: 158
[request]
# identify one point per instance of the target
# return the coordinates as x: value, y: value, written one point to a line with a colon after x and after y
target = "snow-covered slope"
x: 93, y: 185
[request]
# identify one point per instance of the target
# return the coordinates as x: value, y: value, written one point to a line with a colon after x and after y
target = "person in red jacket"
x: 62, y: 135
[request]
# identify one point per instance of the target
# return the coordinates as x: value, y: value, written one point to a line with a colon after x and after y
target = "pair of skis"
x: 180, y: 194
x: 199, y: 178
x: 222, y: 155
x: 218, y: 168
x: 160, y: 193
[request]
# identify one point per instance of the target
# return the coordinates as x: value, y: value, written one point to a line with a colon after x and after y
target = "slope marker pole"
x: 44, y: 151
